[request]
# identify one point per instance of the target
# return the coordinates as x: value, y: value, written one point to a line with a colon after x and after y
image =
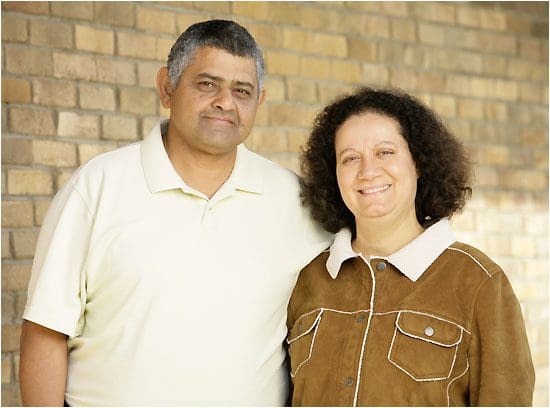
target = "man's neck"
x: 201, y: 171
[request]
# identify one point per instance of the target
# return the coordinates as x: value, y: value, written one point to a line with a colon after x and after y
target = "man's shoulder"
x: 111, y: 162
x: 272, y: 169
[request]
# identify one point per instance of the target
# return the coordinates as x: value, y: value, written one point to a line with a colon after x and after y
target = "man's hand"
x: 42, y: 366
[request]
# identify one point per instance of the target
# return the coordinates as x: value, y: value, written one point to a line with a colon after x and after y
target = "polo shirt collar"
x: 160, y: 174
x: 412, y: 260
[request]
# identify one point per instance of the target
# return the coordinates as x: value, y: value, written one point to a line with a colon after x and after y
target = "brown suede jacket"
x: 435, y: 324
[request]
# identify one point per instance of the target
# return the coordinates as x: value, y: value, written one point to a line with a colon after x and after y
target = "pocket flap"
x: 305, y: 324
x: 429, y: 328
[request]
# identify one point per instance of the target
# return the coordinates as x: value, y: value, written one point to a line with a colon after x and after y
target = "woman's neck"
x: 380, y: 239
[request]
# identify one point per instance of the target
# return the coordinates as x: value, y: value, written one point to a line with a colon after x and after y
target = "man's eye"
x: 206, y: 85
x: 243, y: 92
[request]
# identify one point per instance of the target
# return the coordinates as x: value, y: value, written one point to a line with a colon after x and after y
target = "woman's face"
x: 375, y: 169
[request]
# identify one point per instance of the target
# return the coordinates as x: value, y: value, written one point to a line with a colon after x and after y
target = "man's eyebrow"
x: 216, y: 78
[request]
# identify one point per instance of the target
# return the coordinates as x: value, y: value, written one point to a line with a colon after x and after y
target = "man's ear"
x: 261, y: 97
x: 164, y: 88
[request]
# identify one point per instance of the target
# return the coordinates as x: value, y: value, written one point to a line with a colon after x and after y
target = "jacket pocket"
x: 301, y: 339
x: 423, y: 346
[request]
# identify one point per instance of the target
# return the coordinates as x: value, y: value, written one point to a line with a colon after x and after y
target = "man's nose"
x: 223, y: 100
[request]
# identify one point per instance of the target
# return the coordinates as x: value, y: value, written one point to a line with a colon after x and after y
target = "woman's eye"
x: 385, y: 152
x: 349, y: 159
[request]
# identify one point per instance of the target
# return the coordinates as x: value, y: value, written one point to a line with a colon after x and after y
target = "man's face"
x: 213, y: 106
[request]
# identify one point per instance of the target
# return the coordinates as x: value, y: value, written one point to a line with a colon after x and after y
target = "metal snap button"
x: 429, y: 331
x: 348, y: 381
x: 360, y: 319
x: 380, y: 266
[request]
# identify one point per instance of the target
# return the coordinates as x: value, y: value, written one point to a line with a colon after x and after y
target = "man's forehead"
x: 223, y: 65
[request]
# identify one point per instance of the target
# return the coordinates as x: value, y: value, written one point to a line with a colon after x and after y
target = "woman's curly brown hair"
x: 442, y: 163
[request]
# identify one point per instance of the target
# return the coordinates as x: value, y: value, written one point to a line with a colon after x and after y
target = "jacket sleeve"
x: 501, y: 367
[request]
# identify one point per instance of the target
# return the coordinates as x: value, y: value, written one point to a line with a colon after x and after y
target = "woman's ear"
x: 164, y: 88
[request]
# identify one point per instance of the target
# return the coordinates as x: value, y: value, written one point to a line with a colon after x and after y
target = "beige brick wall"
x: 78, y: 80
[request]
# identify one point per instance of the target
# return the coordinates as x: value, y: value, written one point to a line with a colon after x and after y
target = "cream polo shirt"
x: 168, y: 297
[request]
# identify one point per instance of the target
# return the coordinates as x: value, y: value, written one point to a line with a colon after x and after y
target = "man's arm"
x: 42, y: 366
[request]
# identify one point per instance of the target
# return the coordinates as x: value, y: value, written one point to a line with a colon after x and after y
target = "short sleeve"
x: 57, y: 288
x: 501, y: 367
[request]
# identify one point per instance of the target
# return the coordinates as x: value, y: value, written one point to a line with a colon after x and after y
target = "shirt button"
x: 380, y: 266
x: 360, y: 319
x: 429, y: 331
x: 348, y: 381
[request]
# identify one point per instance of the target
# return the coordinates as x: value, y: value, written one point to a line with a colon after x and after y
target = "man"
x: 163, y: 269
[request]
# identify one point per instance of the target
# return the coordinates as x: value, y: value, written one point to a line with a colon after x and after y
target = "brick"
x: 520, y: 24
x: 497, y: 111
x: 330, y: 91
x: 463, y: 221
x: 138, y: 101
x: 115, y: 13
x: 74, y: 66
x: 62, y: 177
x: 115, y: 71
x: 322, y: 19
x: 255, y: 9
x: 368, y: 25
x: 54, y: 92
x: 6, y: 247
x: 434, y: 11
x: 94, y: 39
x: 27, y: 7
x: 119, y: 127
x: 136, y: 45
x: 535, y: 224
x: 493, y: 20
x: 15, y: 90
x: 71, y: 124
x: 283, y: 13
x: 15, y: 276
x: 28, y: 61
x: 376, y: 75
x: 533, y: 136
x: 431, y: 34
x: 296, y: 140
x: 264, y: 140
x: 468, y: 16
x: 148, y: 123
x: 523, y: 247
x: 507, y: 90
x: 17, y: 214
x: 154, y: 20
x: 7, y: 370
x: 97, y: 97
x: 184, y: 21
x: 20, y: 303
x: 87, y: 151
x: 11, y: 395
x: 444, y: 105
x: 463, y: 38
x: 393, y: 53
x: 14, y: 28
x: 51, y: 34
x: 362, y: 50
x: 282, y: 63
x: 31, y: 121
x: 403, y: 30
x: 496, y: 155
x: 147, y: 74
x: 315, y: 43
x: 73, y: 9
x: 540, y: 159
x: 531, y: 93
x: 292, y: 115
x: 223, y: 7
x: 495, y: 65
x: 29, y: 182
x: 24, y: 243
x: 531, y: 48
x: 54, y: 153
x: 163, y: 47
x: 8, y: 309
x: 526, y: 180
x: 498, y: 43
x: 16, y: 151
x: 346, y: 71
x: 40, y: 209
x: 10, y: 337
x: 302, y: 90
x: 315, y: 68
x: 275, y: 89
x: 404, y: 78
x: 470, y: 109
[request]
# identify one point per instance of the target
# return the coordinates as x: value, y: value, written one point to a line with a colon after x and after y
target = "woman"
x: 397, y: 312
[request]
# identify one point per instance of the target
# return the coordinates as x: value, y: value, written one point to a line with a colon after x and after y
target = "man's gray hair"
x: 222, y: 34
